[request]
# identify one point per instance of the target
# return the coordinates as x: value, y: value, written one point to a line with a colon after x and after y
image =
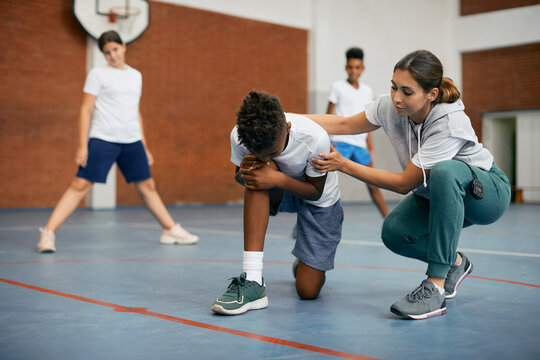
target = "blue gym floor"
x: 111, y: 291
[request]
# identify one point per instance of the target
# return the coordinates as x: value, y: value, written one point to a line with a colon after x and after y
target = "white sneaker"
x: 46, y: 241
x: 177, y: 235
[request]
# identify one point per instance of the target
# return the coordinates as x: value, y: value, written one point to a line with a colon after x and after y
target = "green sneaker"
x: 241, y: 295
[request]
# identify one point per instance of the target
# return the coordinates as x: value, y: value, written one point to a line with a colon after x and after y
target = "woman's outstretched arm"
x: 341, y: 125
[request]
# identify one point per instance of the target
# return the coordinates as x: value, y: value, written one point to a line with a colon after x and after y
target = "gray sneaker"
x: 456, y: 275
x: 241, y: 295
x: 425, y: 301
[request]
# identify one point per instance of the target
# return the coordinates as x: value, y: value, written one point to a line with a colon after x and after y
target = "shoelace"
x: 420, y: 293
x: 236, y: 286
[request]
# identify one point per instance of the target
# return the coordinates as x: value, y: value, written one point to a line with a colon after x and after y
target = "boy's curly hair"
x: 260, y: 121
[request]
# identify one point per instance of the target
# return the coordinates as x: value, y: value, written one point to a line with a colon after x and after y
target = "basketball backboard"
x: 130, y: 18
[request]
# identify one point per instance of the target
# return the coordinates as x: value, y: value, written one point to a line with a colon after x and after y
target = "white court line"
x: 496, y: 252
x: 240, y: 233
x: 232, y: 232
x: 102, y: 225
x: 151, y: 225
x: 477, y: 251
x: 108, y: 225
x: 361, y: 242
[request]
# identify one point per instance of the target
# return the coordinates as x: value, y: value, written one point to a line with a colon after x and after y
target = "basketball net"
x: 123, y: 17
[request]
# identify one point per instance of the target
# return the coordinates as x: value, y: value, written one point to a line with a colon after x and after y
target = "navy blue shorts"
x: 130, y: 158
x: 318, y: 231
x: 355, y: 153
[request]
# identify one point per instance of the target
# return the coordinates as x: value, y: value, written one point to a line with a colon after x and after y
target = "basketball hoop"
x: 123, y: 12
x: 123, y: 17
x: 130, y: 18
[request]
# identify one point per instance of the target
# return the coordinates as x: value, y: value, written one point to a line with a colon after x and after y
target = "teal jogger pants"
x: 429, y: 230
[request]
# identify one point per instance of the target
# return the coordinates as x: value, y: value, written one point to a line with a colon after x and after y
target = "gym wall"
x: 197, y: 66
x: 42, y: 67
x: 500, y: 80
x: 468, y: 7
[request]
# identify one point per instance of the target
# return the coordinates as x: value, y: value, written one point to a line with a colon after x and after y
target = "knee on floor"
x: 307, y: 292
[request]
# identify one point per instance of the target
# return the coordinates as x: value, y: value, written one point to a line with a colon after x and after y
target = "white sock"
x: 441, y: 290
x: 252, y: 265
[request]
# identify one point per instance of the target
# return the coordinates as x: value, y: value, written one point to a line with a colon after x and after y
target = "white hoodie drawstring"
x: 409, y: 140
x: 420, y: 157
x: 410, y: 153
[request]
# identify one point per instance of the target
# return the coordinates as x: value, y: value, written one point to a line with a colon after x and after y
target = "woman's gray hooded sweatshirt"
x: 444, y: 120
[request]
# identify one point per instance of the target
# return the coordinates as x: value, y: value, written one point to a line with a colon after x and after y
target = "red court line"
x: 421, y: 271
x: 124, y: 260
x: 144, y: 311
x: 504, y: 281
x: 238, y: 261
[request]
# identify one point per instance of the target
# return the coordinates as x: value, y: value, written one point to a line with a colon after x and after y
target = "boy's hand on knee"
x: 273, y: 165
x: 262, y: 176
x: 248, y: 161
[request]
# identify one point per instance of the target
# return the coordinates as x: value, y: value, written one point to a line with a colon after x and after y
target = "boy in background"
x: 349, y: 97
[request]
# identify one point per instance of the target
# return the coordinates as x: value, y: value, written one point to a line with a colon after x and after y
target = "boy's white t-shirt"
x: 306, y: 140
x: 116, y: 110
x: 348, y: 101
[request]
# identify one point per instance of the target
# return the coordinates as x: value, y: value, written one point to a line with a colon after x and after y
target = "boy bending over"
x: 272, y: 153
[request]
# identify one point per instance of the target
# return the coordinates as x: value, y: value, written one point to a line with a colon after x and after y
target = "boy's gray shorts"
x: 318, y: 231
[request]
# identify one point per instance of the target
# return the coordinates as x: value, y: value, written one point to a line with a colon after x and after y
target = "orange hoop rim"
x: 124, y: 12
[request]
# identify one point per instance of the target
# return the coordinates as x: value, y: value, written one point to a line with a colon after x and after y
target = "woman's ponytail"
x: 448, y: 91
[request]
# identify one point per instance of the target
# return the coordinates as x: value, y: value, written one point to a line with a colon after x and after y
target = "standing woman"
x: 454, y: 181
x: 115, y: 134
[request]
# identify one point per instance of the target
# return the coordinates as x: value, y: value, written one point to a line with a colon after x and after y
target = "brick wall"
x: 196, y: 66
x: 470, y: 7
x: 500, y: 80
x: 42, y: 67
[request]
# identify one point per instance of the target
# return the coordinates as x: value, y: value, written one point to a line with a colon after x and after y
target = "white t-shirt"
x: 116, y: 110
x: 348, y: 101
x: 306, y: 140
x: 435, y: 151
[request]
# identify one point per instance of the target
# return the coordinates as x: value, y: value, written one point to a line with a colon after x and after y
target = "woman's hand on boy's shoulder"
x: 326, y: 162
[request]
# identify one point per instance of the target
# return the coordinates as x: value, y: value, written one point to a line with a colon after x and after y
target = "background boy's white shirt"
x: 116, y: 111
x: 349, y: 101
x: 306, y: 140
